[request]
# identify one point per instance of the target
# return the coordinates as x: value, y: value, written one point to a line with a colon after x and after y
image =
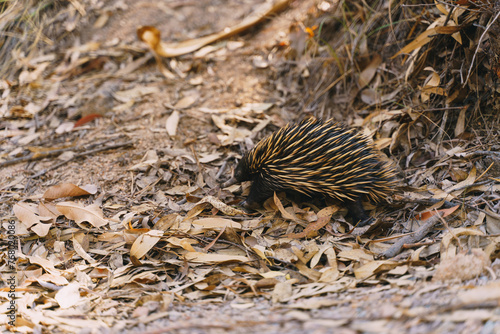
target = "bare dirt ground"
x: 111, y: 165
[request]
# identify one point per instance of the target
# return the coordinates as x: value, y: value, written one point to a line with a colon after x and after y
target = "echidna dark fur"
x: 316, y: 158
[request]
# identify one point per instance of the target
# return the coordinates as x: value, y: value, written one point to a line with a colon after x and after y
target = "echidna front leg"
x: 259, y: 192
x: 358, y: 214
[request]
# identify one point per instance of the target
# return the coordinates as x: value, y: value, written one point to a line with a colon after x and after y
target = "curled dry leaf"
x: 145, y: 242
x: 369, y: 72
x: 80, y: 213
x: 285, y: 214
x: 324, y: 216
x: 28, y: 215
x: 68, y: 190
x: 185, y: 243
x: 460, y: 187
x: 216, y: 203
x: 425, y: 38
x: 431, y: 87
x: 152, y: 37
x: 260, y: 251
x: 446, y: 242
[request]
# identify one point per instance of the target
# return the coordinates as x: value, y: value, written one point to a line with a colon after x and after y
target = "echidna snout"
x: 316, y: 158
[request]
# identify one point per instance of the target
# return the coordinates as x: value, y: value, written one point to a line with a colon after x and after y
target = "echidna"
x: 316, y: 158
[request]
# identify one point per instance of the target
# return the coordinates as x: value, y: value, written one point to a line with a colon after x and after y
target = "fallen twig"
x: 50, y: 153
x: 36, y: 156
x: 78, y: 155
x: 413, y: 238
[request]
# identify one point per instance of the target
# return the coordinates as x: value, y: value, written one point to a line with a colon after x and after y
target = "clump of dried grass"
x: 22, y: 25
x: 330, y: 51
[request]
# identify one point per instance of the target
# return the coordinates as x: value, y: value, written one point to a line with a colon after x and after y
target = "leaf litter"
x: 152, y: 239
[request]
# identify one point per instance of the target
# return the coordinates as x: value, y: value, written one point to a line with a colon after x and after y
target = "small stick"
x: 42, y: 155
x: 81, y: 154
x: 36, y: 156
x: 413, y: 238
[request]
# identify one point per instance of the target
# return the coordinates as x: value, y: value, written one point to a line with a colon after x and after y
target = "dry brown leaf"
x: 219, y: 205
x: 355, y: 255
x: 285, y: 214
x: 151, y: 36
x: 186, y: 101
x: 431, y: 86
x: 233, y: 134
x: 145, y: 242
x: 260, y: 251
x: 216, y: 223
x: 460, y: 124
x: 80, y: 251
x: 209, y: 157
x: 212, y: 258
x: 369, y: 72
x: 68, y: 296
x: 68, y: 190
x: 50, y: 278
x: 322, y: 250
x: 329, y: 275
x: 44, y: 263
x: 172, y: 123
x: 462, y: 186
x: 374, y: 267
x: 445, y: 212
x: 492, y: 222
x: 29, y: 217
x: 324, y: 216
x: 80, y: 213
x: 426, y: 37
x: 48, y: 209
x: 41, y: 229
x: 418, y: 42
x: 312, y: 274
x: 184, y: 243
